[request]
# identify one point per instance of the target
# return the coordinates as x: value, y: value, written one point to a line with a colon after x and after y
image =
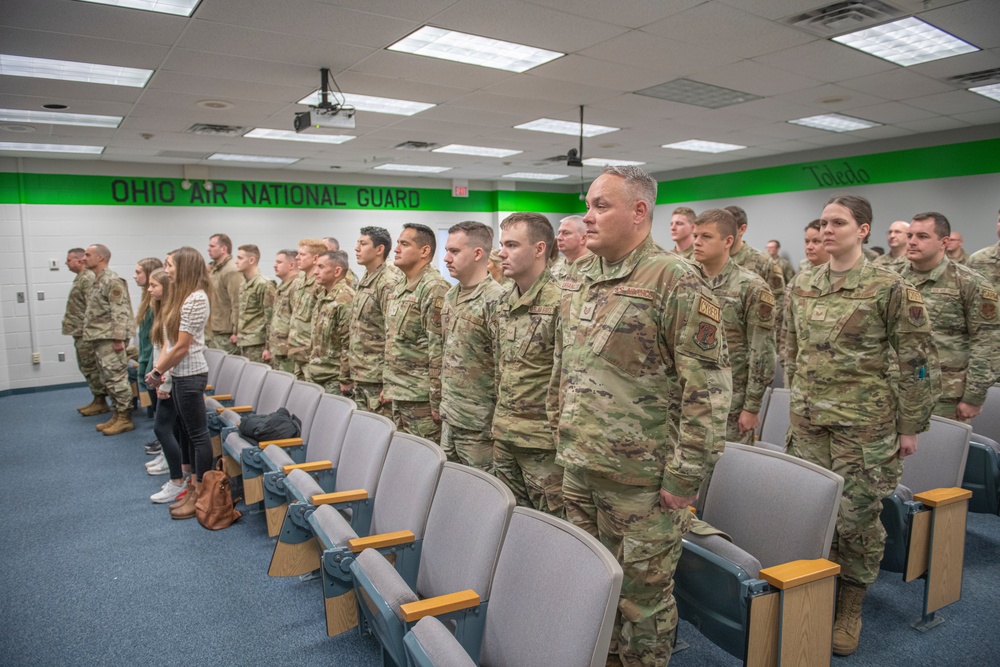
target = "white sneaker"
x: 168, y: 492
x: 156, y: 462
x: 161, y: 469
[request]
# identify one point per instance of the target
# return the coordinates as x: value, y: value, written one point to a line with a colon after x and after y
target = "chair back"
x: 302, y: 402
x: 406, y: 485
x: 554, y: 596
x: 775, y: 425
x: 274, y: 392
x: 988, y: 421
x: 363, y: 452
x: 940, y: 458
x: 214, y: 359
x: 230, y: 371
x: 776, y: 507
x: 465, y: 528
x: 765, y: 400
x: 325, y: 439
x: 251, y: 382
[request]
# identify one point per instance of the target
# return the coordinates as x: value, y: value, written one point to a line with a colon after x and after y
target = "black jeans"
x: 188, y: 396
x: 166, y: 426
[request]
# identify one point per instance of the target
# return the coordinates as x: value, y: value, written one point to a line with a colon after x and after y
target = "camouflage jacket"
x: 963, y: 312
x: 987, y: 262
x: 527, y: 412
x: 748, y: 315
x: 840, y: 335
x: 887, y: 261
x: 562, y: 268
x: 303, y: 310
x: 331, y: 321
x: 413, y: 339
x: 367, y: 338
x: 761, y: 264
x: 963, y: 257
x: 256, y: 305
x: 469, y: 359
x: 109, y: 309
x: 645, y: 381
x: 76, y: 303
x: 787, y: 271
x: 281, y: 317
x: 686, y: 254
x: 226, y: 281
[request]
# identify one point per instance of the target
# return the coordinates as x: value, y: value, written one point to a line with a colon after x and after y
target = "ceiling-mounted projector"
x: 322, y: 120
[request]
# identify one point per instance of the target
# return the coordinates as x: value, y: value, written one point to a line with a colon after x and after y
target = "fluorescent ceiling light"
x: 991, y: 91
x: 703, y: 146
x: 175, y: 7
x: 835, y: 122
x: 377, y: 104
x: 906, y: 42
x: 289, y: 135
x: 473, y: 49
x: 483, y: 151
x: 697, y: 93
x: 565, y: 127
x: 530, y: 175
x: 50, y: 148
x: 67, y: 70
x: 422, y: 168
x: 600, y: 162
x: 268, y: 159
x: 57, y: 118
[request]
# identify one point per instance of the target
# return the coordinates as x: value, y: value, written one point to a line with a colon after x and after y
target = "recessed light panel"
x: 533, y: 176
x: 473, y: 50
x: 700, y: 146
x: 906, y: 42
x: 175, y: 7
x: 601, y: 162
x: 835, y: 122
x: 483, y: 151
x: 67, y: 70
x: 992, y: 91
x: 697, y: 93
x: 50, y: 148
x: 565, y: 127
x: 419, y: 168
x: 266, y: 159
x: 377, y: 104
x: 54, y: 118
x: 289, y: 135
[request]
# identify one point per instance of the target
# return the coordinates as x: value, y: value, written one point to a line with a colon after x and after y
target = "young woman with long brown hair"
x: 144, y: 322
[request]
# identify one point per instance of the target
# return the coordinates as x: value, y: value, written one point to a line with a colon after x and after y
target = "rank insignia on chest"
x: 818, y: 314
x: 917, y: 316
x: 705, y: 338
x: 587, y: 312
x: 511, y: 332
x: 709, y: 309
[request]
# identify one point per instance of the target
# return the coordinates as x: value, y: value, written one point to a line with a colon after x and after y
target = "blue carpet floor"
x: 92, y: 573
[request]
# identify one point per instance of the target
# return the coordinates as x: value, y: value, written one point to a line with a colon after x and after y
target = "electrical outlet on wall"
x: 53, y: 265
x: 36, y: 357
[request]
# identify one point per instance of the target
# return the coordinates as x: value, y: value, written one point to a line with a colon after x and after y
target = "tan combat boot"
x: 122, y: 425
x: 847, y: 627
x: 109, y: 423
x: 98, y: 406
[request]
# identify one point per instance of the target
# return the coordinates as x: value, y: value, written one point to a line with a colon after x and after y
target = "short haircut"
x: 538, y: 226
x: 337, y: 258
x: 721, y: 218
x: 424, y: 235
x: 640, y: 184
x: 776, y: 242
x: 577, y: 220
x: 76, y: 251
x: 815, y: 224
x: 314, y: 246
x: 288, y: 253
x: 252, y: 250
x: 329, y: 240
x: 738, y: 214
x: 224, y: 241
x: 941, y: 225
x: 102, y: 251
x: 478, y: 234
x: 379, y: 236
x: 686, y: 212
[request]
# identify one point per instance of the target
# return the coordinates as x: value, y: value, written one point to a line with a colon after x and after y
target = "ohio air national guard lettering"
x: 366, y: 354
x: 328, y: 363
x: 255, y: 314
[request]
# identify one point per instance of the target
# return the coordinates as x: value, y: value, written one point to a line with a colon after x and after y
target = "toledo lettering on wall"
x: 828, y: 177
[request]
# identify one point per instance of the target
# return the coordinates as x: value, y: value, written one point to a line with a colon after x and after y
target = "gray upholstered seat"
x: 214, y: 358
x: 776, y: 420
x: 247, y: 389
x: 227, y: 381
x: 982, y: 469
x: 764, y: 402
x: 435, y: 645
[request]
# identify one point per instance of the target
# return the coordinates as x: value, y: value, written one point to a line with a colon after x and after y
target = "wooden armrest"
x: 238, y: 408
x: 209, y: 387
x: 222, y: 397
x: 942, y: 497
x: 312, y: 466
x: 359, y: 544
x: 339, y: 497
x: 798, y: 572
x: 442, y: 604
x: 284, y: 442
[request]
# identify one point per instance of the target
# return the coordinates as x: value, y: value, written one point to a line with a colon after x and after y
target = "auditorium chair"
x: 768, y: 596
x: 214, y: 358
x: 244, y: 392
x: 982, y: 469
x: 925, y: 517
x: 228, y: 378
x: 774, y: 427
x: 553, y: 600
x: 454, y: 565
x: 322, y: 442
x: 272, y: 395
x: 765, y: 400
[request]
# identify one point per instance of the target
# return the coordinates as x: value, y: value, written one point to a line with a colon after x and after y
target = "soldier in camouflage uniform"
x: 412, y: 374
x: 493, y: 266
x: 754, y: 260
x: 72, y: 325
x: 748, y: 314
x: 987, y: 261
x: 366, y: 352
x: 955, y: 251
x: 645, y: 389
x: 256, y: 304
x: 226, y: 281
x: 845, y: 323
x: 328, y: 366
x: 469, y: 359
x: 773, y: 250
x: 963, y: 313
x: 304, y: 299
x: 108, y: 324
x: 682, y: 232
x: 895, y: 259
x: 350, y: 277
x: 571, y: 239
x: 276, y: 351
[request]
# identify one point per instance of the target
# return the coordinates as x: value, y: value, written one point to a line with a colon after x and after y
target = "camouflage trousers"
x: 867, y: 458
x: 532, y: 475
x: 946, y: 409
x: 646, y: 540
x: 368, y: 396
x: 414, y: 417
x: 113, y: 368
x: 299, y: 368
x: 87, y: 363
x: 282, y: 363
x: 252, y: 352
x: 469, y: 446
x: 219, y: 340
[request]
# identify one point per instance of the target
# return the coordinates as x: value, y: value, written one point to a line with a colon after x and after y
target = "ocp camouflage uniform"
x: 469, y: 373
x: 686, y: 254
x: 987, y: 262
x: 887, y: 261
x: 255, y: 311
x: 645, y: 389
x: 328, y: 365
x: 72, y: 325
x: 109, y: 318
x: 963, y: 257
x: 222, y: 324
x: 748, y: 315
x: 764, y: 266
x: 787, y: 272
x: 527, y: 409
x: 841, y: 335
x: 962, y: 308
x: 281, y: 322
x: 304, y: 300
x: 412, y: 375
x: 366, y: 352
x: 562, y: 267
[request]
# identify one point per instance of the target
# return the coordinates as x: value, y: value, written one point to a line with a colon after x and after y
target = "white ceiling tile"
x: 975, y: 21
x: 957, y: 65
x: 304, y: 77
x: 752, y: 77
x: 775, y: 9
x: 643, y: 106
x: 227, y: 89
x: 594, y: 72
x: 628, y: 14
x: 774, y: 109
x: 78, y: 105
x: 408, y: 67
x: 892, y: 113
x: 984, y: 117
x: 934, y: 124
x: 90, y: 20
x: 53, y: 91
x: 831, y: 98
x: 265, y: 45
x: 671, y: 59
x: 81, y: 49
x: 827, y: 61
x: 537, y: 88
x: 414, y: 10
x: 959, y: 101
x: 898, y: 84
